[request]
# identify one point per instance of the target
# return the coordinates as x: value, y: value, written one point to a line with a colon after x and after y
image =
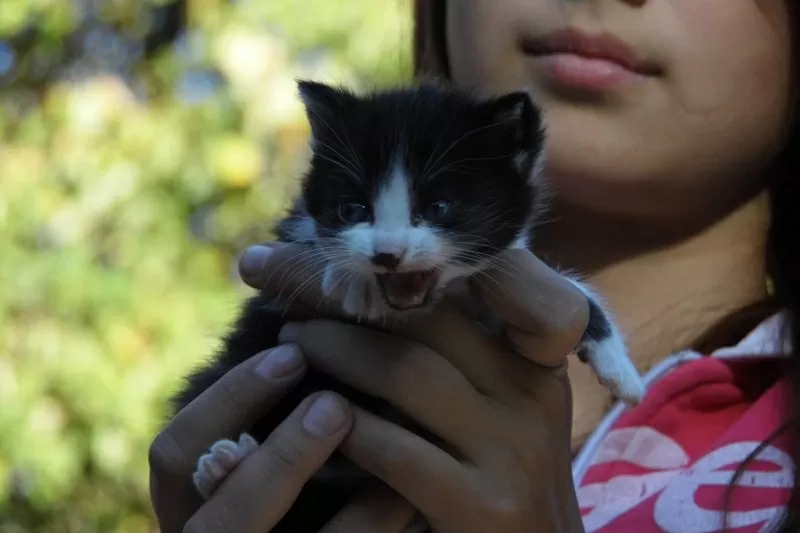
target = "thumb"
x: 545, y: 314
x: 291, y: 272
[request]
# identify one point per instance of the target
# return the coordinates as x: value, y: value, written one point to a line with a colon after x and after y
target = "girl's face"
x: 690, y: 100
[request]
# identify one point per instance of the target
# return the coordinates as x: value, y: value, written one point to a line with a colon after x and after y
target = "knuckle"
x: 216, y: 522
x: 195, y: 526
x: 412, y: 361
x: 286, y: 457
x: 505, y: 505
x: 166, y: 457
x: 507, y: 511
x: 321, y: 340
x: 233, y: 394
x: 387, y: 463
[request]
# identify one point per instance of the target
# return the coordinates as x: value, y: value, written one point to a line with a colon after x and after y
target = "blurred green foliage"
x: 128, y: 184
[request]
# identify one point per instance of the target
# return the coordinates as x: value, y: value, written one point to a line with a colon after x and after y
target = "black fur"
x: 599, y: 327
x: 487, y: 149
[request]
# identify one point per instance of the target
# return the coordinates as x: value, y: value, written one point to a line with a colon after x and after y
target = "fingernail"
x: 280, y: 362
x: 290, y: 332
x: 326, y: 416
x: 253, y: 260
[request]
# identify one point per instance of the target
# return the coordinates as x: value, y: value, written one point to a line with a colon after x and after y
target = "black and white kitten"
x: 408, y: 191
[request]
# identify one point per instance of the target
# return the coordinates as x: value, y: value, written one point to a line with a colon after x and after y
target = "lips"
x: 407, y: 290
x: 593, y: 47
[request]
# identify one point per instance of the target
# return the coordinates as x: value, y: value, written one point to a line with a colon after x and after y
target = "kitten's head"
x: 411, y: 188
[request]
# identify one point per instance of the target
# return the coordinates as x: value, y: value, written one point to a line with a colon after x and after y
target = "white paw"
x: 223, y: 457
x: 609, y: 360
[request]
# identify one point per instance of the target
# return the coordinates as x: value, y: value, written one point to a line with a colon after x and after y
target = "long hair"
x: 783, y: 244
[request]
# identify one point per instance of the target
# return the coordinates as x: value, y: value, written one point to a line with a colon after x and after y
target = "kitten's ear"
x: 322, y: 103
x: 524, y: 118
x: 518, y: 111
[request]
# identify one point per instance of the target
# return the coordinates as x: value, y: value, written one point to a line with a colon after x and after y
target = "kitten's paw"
x: 223, y: 457
x: 615, y: 370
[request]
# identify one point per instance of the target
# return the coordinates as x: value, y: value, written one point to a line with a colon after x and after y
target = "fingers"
x: 416, y: 469
x: 259, y: 492
x: 453, y: 333
x: 378, y: 510
x: 545, y: 314
x: 225, y: 409
x: 408, y: 375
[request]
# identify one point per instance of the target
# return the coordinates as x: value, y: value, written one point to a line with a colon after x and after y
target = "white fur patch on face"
x: 392, y: 231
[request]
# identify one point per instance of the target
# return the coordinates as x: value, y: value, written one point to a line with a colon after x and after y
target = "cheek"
x: 483, y: 41
x: 694, y: 140
x: 732, y: 72
x: 359, y: 241
x: 426, y: 245
x: 729, y: 96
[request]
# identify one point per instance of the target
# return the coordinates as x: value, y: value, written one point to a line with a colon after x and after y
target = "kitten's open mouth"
x: 407, y: 290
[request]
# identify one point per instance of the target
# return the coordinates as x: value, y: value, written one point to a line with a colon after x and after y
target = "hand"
x: 502, y: 409
x: 256, y: 495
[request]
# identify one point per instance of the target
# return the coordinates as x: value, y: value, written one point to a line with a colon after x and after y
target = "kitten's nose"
x: 387, y: 260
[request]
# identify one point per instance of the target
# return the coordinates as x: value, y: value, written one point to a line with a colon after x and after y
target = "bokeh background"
x: 143, y: 145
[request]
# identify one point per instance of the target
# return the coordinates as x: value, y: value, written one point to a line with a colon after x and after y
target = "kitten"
x: 409, y: 191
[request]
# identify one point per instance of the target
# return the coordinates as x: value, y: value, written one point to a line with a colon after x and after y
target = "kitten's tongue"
x: 406, y: 290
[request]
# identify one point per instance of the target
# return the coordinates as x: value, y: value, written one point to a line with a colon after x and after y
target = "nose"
x: 387, y: 260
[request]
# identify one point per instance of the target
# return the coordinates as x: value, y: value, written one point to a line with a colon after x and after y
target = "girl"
x: 674, y: 154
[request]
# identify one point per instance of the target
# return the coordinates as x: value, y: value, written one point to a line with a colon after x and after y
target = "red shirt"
x: 666, y: 464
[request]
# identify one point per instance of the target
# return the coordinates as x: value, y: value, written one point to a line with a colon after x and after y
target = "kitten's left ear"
x: 323, y: 104
x: 519, y: 112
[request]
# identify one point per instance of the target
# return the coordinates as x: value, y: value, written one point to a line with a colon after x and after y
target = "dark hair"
x: 783, y: 248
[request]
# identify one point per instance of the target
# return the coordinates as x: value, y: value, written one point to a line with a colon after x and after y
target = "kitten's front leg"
x: 603, y: 348
x: 610, y: 361
x: 223, y: 457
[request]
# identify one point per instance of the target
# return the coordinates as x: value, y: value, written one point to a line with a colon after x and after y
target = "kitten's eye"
x: 353, y: 212
x: 439, y: 210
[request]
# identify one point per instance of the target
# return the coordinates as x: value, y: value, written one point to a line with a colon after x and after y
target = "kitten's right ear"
x: 322, y: 103
x: 518, y: 111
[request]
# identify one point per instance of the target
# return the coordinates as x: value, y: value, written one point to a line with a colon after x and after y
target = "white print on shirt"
x: 676, y: 484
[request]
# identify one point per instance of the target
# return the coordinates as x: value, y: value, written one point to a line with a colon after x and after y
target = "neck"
x: 667, y: 288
